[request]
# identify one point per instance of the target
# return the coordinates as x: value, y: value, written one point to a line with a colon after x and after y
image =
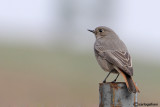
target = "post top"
x: 112, y: 83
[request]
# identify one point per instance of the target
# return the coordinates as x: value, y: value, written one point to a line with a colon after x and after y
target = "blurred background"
x: 47, y: 57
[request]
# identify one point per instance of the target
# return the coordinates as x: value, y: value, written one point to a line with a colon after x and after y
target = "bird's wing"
x: 119, y: 58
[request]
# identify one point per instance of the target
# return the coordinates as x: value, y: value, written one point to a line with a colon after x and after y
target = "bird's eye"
x: 100, y: 30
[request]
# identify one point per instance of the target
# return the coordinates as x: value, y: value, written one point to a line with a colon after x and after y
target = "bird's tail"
x: 129, y: 82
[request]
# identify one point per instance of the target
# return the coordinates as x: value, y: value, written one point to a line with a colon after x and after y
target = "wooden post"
x: 115, y: 95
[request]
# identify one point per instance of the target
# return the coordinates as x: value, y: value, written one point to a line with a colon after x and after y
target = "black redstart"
x: 113, y: 57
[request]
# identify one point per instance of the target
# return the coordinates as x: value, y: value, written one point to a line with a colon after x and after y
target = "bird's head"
x: 102, y: 31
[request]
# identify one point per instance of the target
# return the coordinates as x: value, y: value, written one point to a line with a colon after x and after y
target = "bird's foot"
x: 104, y: 81
x: 114, y: 81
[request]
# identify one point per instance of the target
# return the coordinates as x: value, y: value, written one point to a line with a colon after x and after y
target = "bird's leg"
x: 115, y: 78
x: 104, y: 81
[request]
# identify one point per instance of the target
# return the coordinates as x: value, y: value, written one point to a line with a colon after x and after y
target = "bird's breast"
x: 106, y: 66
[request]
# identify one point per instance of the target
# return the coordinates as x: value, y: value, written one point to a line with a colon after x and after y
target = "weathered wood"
x: 115, y: 95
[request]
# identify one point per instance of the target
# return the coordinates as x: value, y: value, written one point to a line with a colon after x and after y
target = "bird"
x: 112, y: 55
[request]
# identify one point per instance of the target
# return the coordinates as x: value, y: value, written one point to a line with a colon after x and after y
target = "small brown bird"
x: 113, y: 57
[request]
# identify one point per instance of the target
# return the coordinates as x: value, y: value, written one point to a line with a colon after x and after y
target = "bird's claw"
x: 104, y: 81
x: 113, y: 81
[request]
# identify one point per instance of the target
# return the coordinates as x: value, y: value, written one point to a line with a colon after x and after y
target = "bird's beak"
x: 91, y: 31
